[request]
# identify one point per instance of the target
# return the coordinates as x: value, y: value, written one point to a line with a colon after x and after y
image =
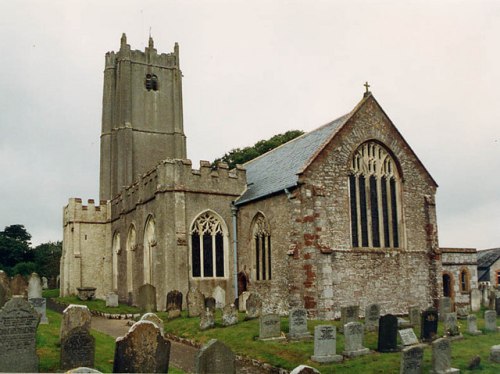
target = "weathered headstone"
x: 45, y: 283
x: 490, y: 320
x: 151, y: 317
x: 18, y: 324
x: 429, y: 325
x: 112, y: 300
x: 372, y: 315
x: 475, y: 300
x: 495, y: 354
x: 142, y: 350
x: 40, y: 305
x: 472, y: 325
x: 408, y: 337
x: 414, y: 316
x: 474, y: 363
x: 353, y: 340
x: 3, y: 296
x: 297, y: 321
x: 219, y: 294
x: 304, y: 369
x: 210, y: 303
x: 242, y: 301
x: 195, y: 302
x: 441, y: 357
x: 86, y: 293
x: 207, y: 320
x: 75, y: 316
x: 229, y: 315
x: 77, y: 349
x: 491, y: 300
x: 83, y: 370
x: 147, y: 298
x: 34, y: 286
x: 215, y: 357
x: 444, y: 307
x: 174, y: 300
x: 325, y: 344
x: 348, y: 314
x: 253, y: 306
x: 388, y: 334
x: 450, y: 324
x: 4, y: 288
x: 412, y: 359
x: 462, y: 311
x: 19, y: 286
x: 270, y: 327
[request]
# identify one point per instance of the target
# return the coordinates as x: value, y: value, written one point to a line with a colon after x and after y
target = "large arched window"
x: 207, y: 247
x: 149, y: 243
x: 131, y: 247
x: 262, y: 248
x: 374, y: 188
x: 116, y: 252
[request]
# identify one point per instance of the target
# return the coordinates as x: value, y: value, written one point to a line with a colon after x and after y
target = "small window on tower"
x: 151, y: 82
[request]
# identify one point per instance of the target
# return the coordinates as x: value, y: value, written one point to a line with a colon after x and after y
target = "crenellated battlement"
x: 176, y: 175
x: 75, y: 211
x: 149, y: 56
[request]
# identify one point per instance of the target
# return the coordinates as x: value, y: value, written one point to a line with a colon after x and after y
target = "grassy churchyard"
x: 243, y: 340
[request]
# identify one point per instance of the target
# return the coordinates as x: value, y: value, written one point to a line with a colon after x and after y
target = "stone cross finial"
x: 367, y: 86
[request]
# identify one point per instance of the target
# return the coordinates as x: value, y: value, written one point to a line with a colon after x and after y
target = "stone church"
x: 344, y: 214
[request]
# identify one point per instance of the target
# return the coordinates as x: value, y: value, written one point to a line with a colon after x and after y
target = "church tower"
x: 141, y: 115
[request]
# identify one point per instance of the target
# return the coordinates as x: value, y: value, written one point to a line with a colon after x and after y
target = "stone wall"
x: 456, y: 260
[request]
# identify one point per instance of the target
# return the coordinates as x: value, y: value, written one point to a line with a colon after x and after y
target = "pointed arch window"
x: 374, y: 188
x: 207, y: 247
x: 131, y: 247
x: 149, y: 243
x: 116, y: 253
x: 262, y: 248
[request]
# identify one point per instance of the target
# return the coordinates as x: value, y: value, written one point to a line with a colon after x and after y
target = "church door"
x: 447, y: 286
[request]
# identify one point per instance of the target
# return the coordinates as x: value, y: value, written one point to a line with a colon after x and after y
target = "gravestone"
x: 297, y: 329
x: 77, y: 349
x: 142, y: 350
x: 19, y: 286
x: 151, y: 317
x: 174, y: 300
x: 34, y: 286
x: 441, y: 357
x: 4, y: 288
x: 408, y: 337
x: 40, y: 305
x: 75, y: 316
x: 414, y: 316
x: 475, y: 300
x: 490, y: 320
x: 147, y: 298
x: 210, y: 303
x: 491, y: 300
x: 353, y: 340
x: 112, y: 300
x: 304, y: 369
x: 270, y: 327
x: 325, y: 344
x: 3, y: 296
x: 348, y: 314
x: 495, y: 354
x: 45, y: 283
x: 207, y: 320
x: 229, y: 315
x: 215, y: 357
x: 472, y: 325
x: 195, y: 302
x: 372, y: 315
x: 242, y: 301
x: 388, y: 334
x: 497, y: 305
x: 412, y: 359
x: 462, y: 311
x: 253, y: 306
x: 83, y: 370
x: 444, y: 307
x: 450, y: 324
x: 220, y: 297
x: 18, y: 324
x: 429, y: 325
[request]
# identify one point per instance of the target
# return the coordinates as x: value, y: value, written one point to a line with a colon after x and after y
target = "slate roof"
x: 279, y: 168
x: 485, y: 259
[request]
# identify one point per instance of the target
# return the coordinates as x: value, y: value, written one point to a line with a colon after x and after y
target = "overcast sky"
x: 253, y: 69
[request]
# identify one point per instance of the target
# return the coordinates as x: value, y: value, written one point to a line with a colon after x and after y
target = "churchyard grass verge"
x: 243, y: 340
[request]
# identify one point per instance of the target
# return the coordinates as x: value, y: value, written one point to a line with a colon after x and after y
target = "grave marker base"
x: 327, y: 359
x: 359, y: 352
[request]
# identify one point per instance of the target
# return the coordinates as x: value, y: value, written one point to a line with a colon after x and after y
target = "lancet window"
x: 262, y: 248
x: 374, y: 188
x: 131, y: 247
x: 207, y: 247
x: 116, y: 252
x: 149, y: 244
x: 464, y: 281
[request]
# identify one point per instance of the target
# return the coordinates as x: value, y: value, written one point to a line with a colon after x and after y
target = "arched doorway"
x: 447, y: 285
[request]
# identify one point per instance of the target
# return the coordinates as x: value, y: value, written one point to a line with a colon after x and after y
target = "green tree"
x: 47, y: 257
x: 241, y: 155
x: 14, y: 247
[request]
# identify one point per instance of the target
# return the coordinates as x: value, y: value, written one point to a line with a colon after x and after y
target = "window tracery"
x: 262, y: 248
